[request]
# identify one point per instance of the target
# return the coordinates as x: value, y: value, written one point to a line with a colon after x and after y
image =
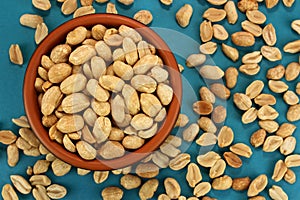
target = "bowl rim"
x: 57, y: 36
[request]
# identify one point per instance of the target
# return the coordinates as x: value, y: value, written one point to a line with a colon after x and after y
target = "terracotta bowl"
x: 57, y: 37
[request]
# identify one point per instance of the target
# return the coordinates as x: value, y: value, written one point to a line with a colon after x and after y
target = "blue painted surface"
x: 11, y: 79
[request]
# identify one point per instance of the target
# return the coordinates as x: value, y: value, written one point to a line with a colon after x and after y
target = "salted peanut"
x: 76, y: 36
x: 225, y: 137
x: 159, y: 74
x: 21, y: 122
x: 292, y: 47
x: 112, y: 193
x: 211, y: 72
x: 126, y: 31
x: 111, y: 8
x: 298, y: 88
x: 279, y: 171
x: 266, y: 112
x: 290, y: 176
x: 288, y: 3
x: 7, y: 137
x: 75, y: 103
x: 41, y: 5
x: 40, y: 33
x: 252, y: 28
x: 85, y: 150
x: 15, y: 54
x: 193, y: 175
x: 242, y: 101
x: 69, y: 6
x: 232, y: 160
x: 243, y: 39
x: 43, y: 73
x: 169, y: 149
x: 32, y: 152
x: 216, y: 2
x: 217, y: 169
x: 220, y: 32
x: 195, y: 60
x: 240, y: 184
x: 163, y: 197
x: 208, y: 159
x: 293, y: 113
x: 132, y: 142
x: 207, y: 95
x: 164, y: 93
x: 114, y: 39
x: 112, y: 83
x: 231, y: 76
x: 249, y: 116
x: 143, y: 48
x: 56, y: 191
x: 60, y: 168
x: 202, y: 189
x: 180, y: 161
x: 142, y: 83
x: 21, y: 184
x: 131, y: 99
x: 41, y: 166
x: 288, y: 146
x: 172, y: 188
x: 230, y: 52
x: 141, y: 122
x: 82, y: 54
x: 31, y: 20
x: 276, y: 73
x: 58, y: 72
x: 271, y: 3
x: 290, y: 98
x: 222, y: 183
x: 256, y: 16
x: 40, y: 193
x: 220, y: 90
x: 257, y: 185
x: 219, y: 114
x: 85, y: 10
x: 277, y: 86
x: 292, y: 71
x: 206, y: 31
x: 182, y: 120
x: 184, y: 15
x: 173, y: 140
x: 269, y: 35
x: 111, y: 149
x: 22, y: 144
x: 265, y: 99
x: 103, y: 51
x: 214, y: 15
x: 258, y: 138
x: 272, y: 143
x: 269, y: 125
x: 245, y: 5
x: 100, y: 176
x: 277, y: 192
x: 146, y: 63
x: 148, y: 189
x: 28, y: 135
x: 160, y: 159
x: 70, y: 123
x: 249, y: 69
x: 231, y: 12
x: 241, y: 150
x: 208, y: 48
x: 296, y: 25
x: 292, y: 160
x: 130, y: 50
x: 147, y: 170
x: 207, y: 139
x: 98, y: 31
x: 254, y: 89
x: 271, y: 53
x: 207, y: 125
x: 143, y: 16
x: 130, y: 181
x: 39, y: 180
x: 251, y: 58
x: 202, y: 107
x: 190, y: 133
x: 12, y: 155
x: 8, y: 193
x: 59, y: 54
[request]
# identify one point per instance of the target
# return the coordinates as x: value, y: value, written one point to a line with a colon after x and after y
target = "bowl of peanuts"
x: 102, y: 91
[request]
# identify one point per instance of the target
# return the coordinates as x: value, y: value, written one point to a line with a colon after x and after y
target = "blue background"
x: 11, y: 80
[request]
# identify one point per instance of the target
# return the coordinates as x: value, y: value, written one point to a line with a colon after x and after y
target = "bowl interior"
x: 57, y: 37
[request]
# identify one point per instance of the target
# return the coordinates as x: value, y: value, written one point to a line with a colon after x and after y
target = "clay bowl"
x: 57, y: 37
